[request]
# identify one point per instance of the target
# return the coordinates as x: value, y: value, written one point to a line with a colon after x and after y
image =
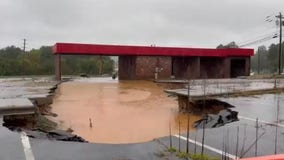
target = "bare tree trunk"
x: 170, y: 128
x: 237, y: 143
x: 251, y: 146
x: 223, y: 146
x: 256, y: 135
x: 187, y: 131
x: 187, y: 135
x: 276, y: 127
x: 225, y: 156
x: 205, y: 120
x: 195, y: 139
x: 228, y: 143
x: 244, y: 141
x: 179, y: 134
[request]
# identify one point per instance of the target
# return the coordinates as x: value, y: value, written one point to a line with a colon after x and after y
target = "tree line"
x: 14, y: 62
x: 265, y: 60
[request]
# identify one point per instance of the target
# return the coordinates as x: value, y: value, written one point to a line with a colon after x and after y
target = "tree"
x: 260, y: 60
x: 41, y: 62
x: 229, y: 45
x: 273, y: 58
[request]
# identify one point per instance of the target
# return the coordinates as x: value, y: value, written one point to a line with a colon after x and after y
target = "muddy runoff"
x: 109, y: 111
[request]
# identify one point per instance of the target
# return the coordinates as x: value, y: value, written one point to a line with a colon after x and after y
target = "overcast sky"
x: 190, y: 23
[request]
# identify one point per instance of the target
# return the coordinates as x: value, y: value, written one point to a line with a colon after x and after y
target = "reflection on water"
x: 120, y: 112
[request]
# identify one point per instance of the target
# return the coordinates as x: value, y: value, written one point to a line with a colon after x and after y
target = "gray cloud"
x: 202, y: 23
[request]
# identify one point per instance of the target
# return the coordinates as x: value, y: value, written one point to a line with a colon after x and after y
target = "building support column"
x: 57, y: 67
x: 197, y: 70
x: 247, y: 66
x: 127, y: 68
x: 227, y: 67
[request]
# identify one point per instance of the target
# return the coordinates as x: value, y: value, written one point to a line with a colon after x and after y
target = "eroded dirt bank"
x: 117, y: 112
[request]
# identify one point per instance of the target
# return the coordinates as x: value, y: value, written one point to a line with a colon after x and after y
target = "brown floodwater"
x: 120, y: 111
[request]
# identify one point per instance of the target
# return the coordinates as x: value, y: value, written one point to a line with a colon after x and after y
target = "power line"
x: 258, y: 37
x: 259, y: 40
x: 265, y: 37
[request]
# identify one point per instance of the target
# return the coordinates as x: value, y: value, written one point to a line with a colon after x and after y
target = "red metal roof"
x: 270, y: 157
x: 120, y: 50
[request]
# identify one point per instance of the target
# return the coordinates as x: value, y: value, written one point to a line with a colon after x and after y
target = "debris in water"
x: 222, y: 118
x: 90, y: 120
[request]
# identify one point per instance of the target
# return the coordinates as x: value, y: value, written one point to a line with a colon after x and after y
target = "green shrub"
x: 172, y: 149
x: 201, y: 157
x: 183, y: 155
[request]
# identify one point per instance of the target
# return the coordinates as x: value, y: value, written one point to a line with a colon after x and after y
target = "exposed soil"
x: 32, y: 121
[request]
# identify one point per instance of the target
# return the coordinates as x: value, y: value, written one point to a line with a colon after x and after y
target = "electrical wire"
x: 259, y: 40
x: 258, y: 37
x: 265, y: 37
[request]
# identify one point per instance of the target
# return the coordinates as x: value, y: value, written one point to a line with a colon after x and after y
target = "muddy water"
x: 120, y: 112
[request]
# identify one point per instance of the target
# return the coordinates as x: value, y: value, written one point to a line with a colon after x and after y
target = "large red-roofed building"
x: 143, y: 62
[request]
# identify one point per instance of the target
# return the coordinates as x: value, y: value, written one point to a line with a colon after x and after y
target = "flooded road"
x: 138, y: 111
x: 120, y: 111
x: 263, y: 107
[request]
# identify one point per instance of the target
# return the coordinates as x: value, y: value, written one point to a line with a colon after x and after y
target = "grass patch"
x: 172, y: 150
x: 202, y: 157
x: 183, y: 155
x: 188, y: 156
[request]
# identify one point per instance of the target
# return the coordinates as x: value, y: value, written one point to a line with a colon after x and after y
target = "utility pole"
x: 24, y: 47
x: 258, y: 63
x: 280, y: 44
x: 276, y: 127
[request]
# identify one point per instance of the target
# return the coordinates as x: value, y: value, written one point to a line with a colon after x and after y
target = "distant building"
x: 149, y: 62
